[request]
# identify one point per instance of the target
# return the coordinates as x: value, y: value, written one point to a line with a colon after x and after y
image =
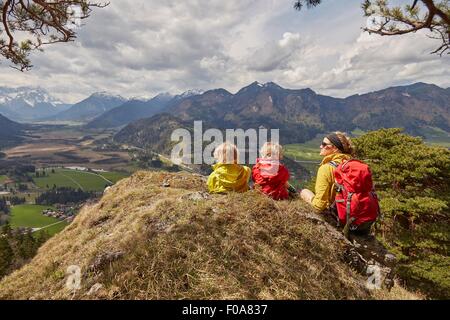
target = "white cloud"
x: 143, y: 47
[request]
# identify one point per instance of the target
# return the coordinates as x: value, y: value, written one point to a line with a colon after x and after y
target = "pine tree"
x: 27, y: 246
x: 41, y: 238
x: 6, y: 256
x: 6, y: 230
x: 27, y: 25
x: 413, y: 182
x: 392, y: 20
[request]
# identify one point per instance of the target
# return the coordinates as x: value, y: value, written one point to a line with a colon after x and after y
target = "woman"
x: 228, y: 175
x: 335, y: 148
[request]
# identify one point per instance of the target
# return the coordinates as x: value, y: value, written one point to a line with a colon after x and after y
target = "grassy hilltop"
x: 160, y: 236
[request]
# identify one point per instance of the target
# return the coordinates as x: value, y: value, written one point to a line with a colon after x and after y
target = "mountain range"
x: 89, y: 108
x: 29, y: 104
x: 10, y: 132
x: 131, y: 110
x: 301, y: 114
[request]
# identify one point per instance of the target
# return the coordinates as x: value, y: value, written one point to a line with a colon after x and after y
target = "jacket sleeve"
x: 211, y: 182
x: 285, y: 174
x: 255, y: 174
x: 324, y: 183
x: 248, y: 173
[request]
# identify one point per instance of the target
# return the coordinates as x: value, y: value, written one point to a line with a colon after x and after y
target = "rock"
x: 390, y: 258
x: 365, y: 254
x: 104, y: 259
x: 196, y: 196
x: 166, y: 184
x: 95, y: 288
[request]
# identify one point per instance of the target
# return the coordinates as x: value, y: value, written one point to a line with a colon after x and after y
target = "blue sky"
x: 144, y: 47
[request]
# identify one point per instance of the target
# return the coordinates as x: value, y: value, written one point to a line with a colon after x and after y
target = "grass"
x: 113, y: 176
x: 358, y: 132
x: 308, y: 151
x: 77, y: 179
x: 436, y: 137
x: 138, y: 243
x: 31, y: 216
x: 3, y: 179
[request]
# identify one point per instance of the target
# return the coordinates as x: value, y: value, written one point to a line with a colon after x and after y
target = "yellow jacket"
x: 229, y: 177
x: 325, y: 192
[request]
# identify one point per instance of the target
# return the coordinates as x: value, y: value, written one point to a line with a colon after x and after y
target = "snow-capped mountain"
x: 189, y: 93
x: 32, y: 96
x: 29, y: 103
x: 108, y: 96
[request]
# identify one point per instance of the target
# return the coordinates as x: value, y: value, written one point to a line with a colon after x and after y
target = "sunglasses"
x: 324, y: 144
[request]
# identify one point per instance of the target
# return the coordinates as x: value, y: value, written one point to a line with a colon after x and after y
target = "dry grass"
x: 146, y: 241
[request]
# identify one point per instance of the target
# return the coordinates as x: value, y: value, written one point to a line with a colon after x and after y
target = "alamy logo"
x: 199, y: 148
x: 74, y: 278
x: 374, y: 280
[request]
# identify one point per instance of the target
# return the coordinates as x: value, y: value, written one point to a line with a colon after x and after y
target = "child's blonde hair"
x: 271, y: 150
x: 226, y: 153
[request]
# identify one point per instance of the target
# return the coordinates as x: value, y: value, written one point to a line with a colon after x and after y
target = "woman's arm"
x: 324, y: 183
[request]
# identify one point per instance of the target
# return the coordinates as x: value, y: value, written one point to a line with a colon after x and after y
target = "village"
x: 62, y: 212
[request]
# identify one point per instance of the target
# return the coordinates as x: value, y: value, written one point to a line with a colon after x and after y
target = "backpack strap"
x: 333, y: 208
x: 333, y: 164
x: 337, y: 186
x: 349, y: 221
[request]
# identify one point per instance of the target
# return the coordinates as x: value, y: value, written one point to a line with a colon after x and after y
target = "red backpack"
x: 356, y: 200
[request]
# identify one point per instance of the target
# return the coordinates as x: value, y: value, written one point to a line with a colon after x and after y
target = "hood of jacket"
x: 229, y: 177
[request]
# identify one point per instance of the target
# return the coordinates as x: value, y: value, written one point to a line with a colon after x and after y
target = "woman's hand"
x: 307, y: 195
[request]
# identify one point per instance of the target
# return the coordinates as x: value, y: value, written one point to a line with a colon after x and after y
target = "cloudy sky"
x: 139, y: 48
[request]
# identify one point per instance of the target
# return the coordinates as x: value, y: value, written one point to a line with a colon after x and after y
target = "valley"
x: 54, y: 157
x: 47, y: 145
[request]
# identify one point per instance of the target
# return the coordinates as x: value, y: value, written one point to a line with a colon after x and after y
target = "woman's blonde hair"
x: 271, y: 150
x: 346, y: 143
x: 226, y: 153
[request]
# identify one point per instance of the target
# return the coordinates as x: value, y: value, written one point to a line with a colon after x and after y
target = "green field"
x: 113, y: 176
x: 2, y: 179
x: 308, y: 151
x: 87, y: 181
x: 31, y: 216
x: 436, y: 137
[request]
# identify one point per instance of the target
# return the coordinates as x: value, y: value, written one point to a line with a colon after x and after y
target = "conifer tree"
x: 413, y: 182
x: 388, y: 20
x: 6, y: 255
x: 41, y: 22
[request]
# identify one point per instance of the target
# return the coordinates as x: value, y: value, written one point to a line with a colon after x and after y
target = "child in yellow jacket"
x: 228, y: 175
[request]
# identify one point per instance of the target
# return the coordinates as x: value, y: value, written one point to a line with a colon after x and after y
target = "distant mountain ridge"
x: 301, y: 114
x: 90, y: 108
x: 136, y: 109
x: 129, y: 111
x: 10, y: 132
x: 152, y: 132
x: 29, y: 103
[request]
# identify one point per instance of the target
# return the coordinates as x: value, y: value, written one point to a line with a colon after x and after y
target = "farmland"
x: 53, y: 151
x: 76, y: 179
x: 30, y: 216
x: 56, y: 146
